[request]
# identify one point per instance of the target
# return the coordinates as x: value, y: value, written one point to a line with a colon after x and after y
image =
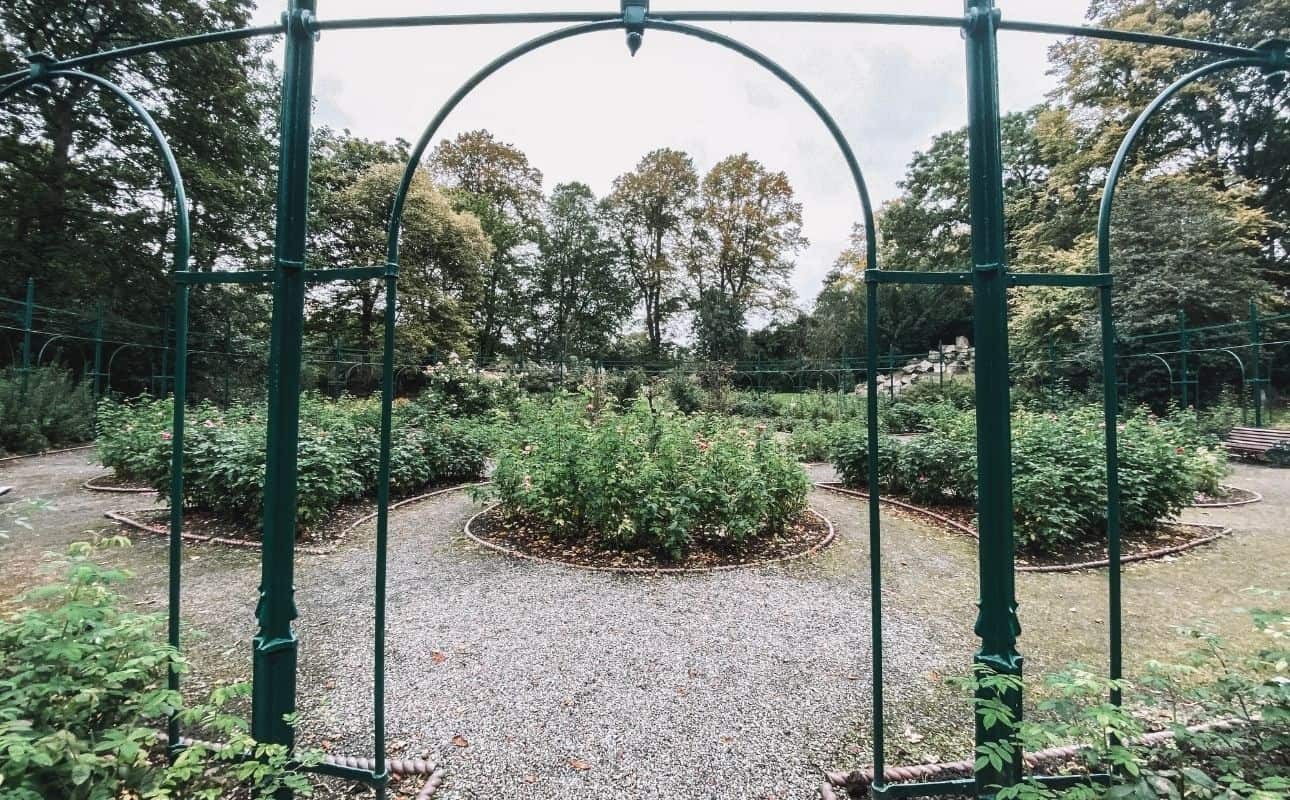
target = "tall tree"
x: 494, y: 181
x: 86, y: 206
x: 649, y: 209
x: 747, y: 229
x: 576, y: 296
x: 443, y: 253
x: 1230, y: 127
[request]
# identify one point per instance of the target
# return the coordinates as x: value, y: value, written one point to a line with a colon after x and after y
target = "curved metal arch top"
x: 1135, y: 132
x: 183, y: 234
x: 853, y: 165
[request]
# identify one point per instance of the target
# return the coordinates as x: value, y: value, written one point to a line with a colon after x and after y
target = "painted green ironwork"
x: 275, y: 645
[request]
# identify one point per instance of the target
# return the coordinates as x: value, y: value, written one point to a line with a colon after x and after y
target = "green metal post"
x: 275, y: 644
x: 96, y: 387
x: 1256, y: 342
x: 228, y: 362
x: 996, y: 622
x: 165, y: 354
x: 1184, y: 377
x: 891, y: 372
x: 27, y: 310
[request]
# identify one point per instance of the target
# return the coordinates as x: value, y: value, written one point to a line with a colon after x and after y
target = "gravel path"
x: 560, y: 683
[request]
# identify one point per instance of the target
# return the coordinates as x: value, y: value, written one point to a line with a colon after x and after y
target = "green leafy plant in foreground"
x: 83, y: 696
x: 1240, y: 750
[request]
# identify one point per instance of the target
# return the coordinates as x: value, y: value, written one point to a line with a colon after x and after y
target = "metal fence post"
x: 27, y: 310
x: 1184, y: 345
x: 275, y: 644
x: 96, y: 387
x: 996, y: 622
x: 1256, y: 381
x: 228, y: 362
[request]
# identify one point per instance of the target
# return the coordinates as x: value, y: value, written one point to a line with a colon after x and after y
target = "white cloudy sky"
x: 583, y: 110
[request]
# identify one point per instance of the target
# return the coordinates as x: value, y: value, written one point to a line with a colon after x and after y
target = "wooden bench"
x: 1264, y: 444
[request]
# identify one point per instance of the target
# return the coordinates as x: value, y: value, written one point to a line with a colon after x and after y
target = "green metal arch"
x: 853, y: 165
x: 183, y: 247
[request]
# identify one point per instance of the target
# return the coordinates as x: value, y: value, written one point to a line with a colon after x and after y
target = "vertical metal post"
x: 27, y: 310
x: 875, y: 524
x: 1184, y: 377
x: 1256, y: 342
x: 891, y: 372
x: 275, y: 644
x: 96, y: 387
x: 382, y: 526
x: 996, y: 622
x: 162, y: 382
x: 228, y: 362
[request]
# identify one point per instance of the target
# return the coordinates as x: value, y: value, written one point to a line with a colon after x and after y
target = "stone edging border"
x: 1220, y: 532
x: 124, y: 518
x: 89, y: 484
x: 7, y: 459
x: 1255, y: 499
x: 810, y: 551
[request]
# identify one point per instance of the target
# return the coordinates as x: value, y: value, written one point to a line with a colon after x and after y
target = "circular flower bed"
x: 675, y: 487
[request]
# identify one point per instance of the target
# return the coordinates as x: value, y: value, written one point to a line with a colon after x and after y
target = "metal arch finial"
x: 39, y: 67
x: 634, y: 13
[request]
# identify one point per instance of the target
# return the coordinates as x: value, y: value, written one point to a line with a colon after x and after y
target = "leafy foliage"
x: 1058, y: 467
x: 83, y: 694
x: 1240, y: 748
x: 643, y: 478
x: 224, y: 452
x: 55, y: 411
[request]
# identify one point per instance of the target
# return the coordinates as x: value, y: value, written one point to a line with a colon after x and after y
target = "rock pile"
x: 948, y: 361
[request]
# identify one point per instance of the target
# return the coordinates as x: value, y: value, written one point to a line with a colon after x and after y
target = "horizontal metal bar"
x: 231, y: 35
x: 1054, y: 29
x: 344, y: 274
x: 445, y: 20
x: 1075, y: 279
x: 244, y: 276
x: 911, y: 277
x: 925, y: 789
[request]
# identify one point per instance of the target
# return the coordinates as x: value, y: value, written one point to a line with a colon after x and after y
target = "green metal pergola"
x: 275, y: 646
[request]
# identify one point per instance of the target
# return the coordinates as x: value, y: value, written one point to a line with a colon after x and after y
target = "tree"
x: 748, y: 227
x: 442, y: 253
x: 649, y: 213
x: 576, y: 296
x: 495, y: 182
x: 85, y: 203
x: 1232, y: 125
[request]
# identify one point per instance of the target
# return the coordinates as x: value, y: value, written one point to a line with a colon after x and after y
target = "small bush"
x: 338, y: 459
x: 459, y: 390
x: 56, y: 411
x: 814, y: 441
x: 684, y: 392
x: 642, y: 479
x: 1058, y: 468
x: 83, y: 694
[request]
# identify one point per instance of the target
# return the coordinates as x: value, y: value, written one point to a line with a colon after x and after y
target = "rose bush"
x: 1058, y: 469
x: 338, y: 461
x: 646, y: 479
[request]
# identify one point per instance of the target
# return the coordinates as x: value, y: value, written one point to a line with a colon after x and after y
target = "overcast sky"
x: 583, y: 110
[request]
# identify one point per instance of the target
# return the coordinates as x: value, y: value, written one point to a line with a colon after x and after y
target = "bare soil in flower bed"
x: 1227, y: 495
x: 111, y: 480
x: 525, y: 536
x: 208, y: 524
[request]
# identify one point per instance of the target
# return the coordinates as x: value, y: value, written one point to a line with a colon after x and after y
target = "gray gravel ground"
x: 562, y: 683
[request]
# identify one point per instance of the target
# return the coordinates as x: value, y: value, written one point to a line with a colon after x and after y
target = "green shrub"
x: 459, y: 390
x: 753, y: 404
x: 56, y: 411
x: 1246, y: 755
x: 642, y: 479
x: 959, y: 393
x: 814, y: 441
x: 1058, y: 468
x: 83, y: 694
x: 851, y: 457
x: 684, y: 392
x: 338, y: 458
